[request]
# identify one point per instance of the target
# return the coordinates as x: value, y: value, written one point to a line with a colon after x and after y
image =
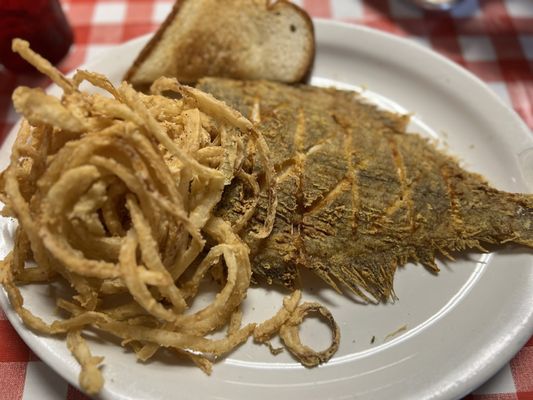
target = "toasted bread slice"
x: 242, y: 39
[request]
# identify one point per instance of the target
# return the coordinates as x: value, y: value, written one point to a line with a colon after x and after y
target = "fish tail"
x: 521, y: 220
x: 510, y: 218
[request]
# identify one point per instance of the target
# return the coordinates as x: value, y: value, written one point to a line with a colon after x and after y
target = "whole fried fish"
x: 359, y: 197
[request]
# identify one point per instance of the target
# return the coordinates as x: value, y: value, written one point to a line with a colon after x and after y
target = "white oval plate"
x: 462, y: 325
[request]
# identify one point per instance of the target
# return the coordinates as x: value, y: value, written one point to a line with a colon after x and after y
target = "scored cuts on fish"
x: 359, y: 197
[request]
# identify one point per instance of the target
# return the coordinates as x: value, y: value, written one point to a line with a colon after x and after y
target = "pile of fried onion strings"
x: 114, y: 194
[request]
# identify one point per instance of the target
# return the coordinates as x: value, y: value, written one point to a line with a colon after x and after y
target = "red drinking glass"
x: 40, y: 22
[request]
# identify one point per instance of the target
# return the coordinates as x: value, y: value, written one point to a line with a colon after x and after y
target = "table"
x: 491, y: 38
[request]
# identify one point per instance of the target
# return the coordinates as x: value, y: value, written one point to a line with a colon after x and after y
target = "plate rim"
x: 482, y: 373
x: 405, y: 41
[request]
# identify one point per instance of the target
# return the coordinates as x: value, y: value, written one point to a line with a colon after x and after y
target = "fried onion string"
x: 116, y: 195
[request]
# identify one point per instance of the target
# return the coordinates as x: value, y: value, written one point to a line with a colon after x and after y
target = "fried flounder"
x: 358, y: 197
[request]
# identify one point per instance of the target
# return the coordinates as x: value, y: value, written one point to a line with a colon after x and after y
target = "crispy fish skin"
x: 359, y: 197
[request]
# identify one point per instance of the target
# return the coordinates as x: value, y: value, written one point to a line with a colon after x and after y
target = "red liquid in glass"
x: 40, y: 22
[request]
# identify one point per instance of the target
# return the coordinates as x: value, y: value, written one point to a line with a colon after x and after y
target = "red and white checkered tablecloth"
x: 491, y: 38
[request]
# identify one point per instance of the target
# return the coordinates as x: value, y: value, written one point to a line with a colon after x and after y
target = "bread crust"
x: 147, y: 49
x: 306, y: 69
x: 301, y: 75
